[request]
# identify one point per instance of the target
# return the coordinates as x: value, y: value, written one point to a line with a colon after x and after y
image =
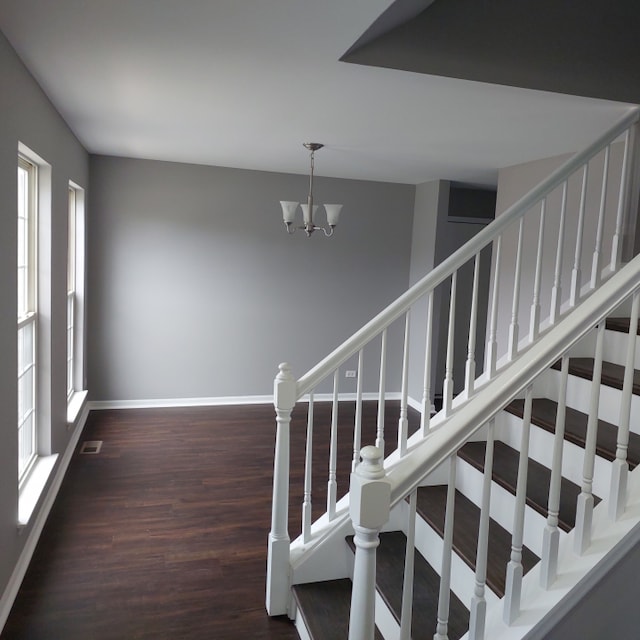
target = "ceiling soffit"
x: 588, y: 49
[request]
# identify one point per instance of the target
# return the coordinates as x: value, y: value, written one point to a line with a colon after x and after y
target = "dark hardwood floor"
x: 163, y: 533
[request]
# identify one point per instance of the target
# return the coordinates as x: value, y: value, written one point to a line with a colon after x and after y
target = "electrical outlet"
x: 350, y: 374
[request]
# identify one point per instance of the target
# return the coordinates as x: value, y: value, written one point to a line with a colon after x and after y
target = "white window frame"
x: 32, y: 478
x: 71, y: 292
x: 27, y: 316
x: 76, y: 393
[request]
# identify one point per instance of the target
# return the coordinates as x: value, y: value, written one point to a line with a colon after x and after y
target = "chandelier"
x: 309, y: 210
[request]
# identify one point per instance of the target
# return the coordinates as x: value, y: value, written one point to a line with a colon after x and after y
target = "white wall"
x: 27, y: 116
x: 197, y: 290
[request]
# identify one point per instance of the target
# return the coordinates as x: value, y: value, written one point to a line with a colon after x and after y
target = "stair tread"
x: 612, y: 374
x: 543, y: 414
x: 505, y: 473
x: 431, y: 505
x: 620, y: 324
x: 324, y: 607
x: 389, y: 580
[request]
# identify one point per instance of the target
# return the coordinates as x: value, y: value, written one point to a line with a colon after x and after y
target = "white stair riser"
x: 429, y: 544
x: 385, y: 620
x: 541, y: 450
x: 615, y: 348
x: 503, y: 505
x: 579, y: 393
x: 301, y: 627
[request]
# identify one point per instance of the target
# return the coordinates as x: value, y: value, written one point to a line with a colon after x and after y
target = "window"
x: 27, y: 316
x: 75, y: 302
x: 71, y: 291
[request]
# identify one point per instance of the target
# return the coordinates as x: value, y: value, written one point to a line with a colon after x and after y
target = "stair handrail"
x: 451, y: 264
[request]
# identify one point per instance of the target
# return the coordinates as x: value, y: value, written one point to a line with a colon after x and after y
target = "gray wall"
x: 431, y: 203
x: 457, y: 226
x: 445, y: 218
x: 197, y: 290
x: 26, y: 115
x: 513, y: 183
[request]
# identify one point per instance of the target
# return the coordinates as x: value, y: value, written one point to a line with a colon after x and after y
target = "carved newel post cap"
x: 371, y: 465
x: 284, y: 388
x: 370, y: 491
x: 284, y: 371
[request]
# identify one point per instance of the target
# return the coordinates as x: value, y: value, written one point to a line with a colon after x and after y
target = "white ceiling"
x: 242, y: 83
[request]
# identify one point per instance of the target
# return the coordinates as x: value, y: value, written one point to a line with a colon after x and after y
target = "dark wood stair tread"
x: 543, y: 414
x: 389, y: 580
x: 620, y: 324
x: 431, y: 505
x: 505, y: 473
x: 324, y: 607
x: 612, y: 374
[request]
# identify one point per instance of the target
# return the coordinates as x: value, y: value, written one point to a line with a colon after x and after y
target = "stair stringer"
x: 327, y: 557
x: 542, y: 609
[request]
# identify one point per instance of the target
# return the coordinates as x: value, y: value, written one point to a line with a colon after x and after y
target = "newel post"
x: 369, y: 499
x: 284, y: 399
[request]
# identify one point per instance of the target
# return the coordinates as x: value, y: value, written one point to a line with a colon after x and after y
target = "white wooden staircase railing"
x: 583, y: 210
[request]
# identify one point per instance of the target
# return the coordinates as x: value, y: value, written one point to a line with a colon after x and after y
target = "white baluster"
x: 584, y: 511
x: 369, y: 504
x: 551, y: 535
x: 409, y: 559
x: 357, y: 427
x: 616, y: 245
x: 514, y: 329
x: 277, y: 599
x: 595, y: 262
x: 426, y: 395
x: 332, y: 485
x: 556, y: 291
x: 447, y: 387
x: 620, y: 466
x: 492, y: 343
x: 576, y: 273
x: 534, y: 324
x: 478, y: 610
x: 470, y: 366
x: 403, y: 422
x: 447, y: 546
x: 308, y: 465
x: 381, y: 392
x: 513, y: 588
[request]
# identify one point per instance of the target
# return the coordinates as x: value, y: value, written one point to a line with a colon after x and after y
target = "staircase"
x: 483, y: 521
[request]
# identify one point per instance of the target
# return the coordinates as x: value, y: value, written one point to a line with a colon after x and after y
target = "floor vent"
x: 91, y: 446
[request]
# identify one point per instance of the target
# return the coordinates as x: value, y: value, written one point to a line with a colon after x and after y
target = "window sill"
x: 34, y: 487
x: 74, y: 406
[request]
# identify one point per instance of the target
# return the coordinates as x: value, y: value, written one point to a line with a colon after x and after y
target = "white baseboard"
x: 160, y: 403
x: 13, y: 586
x: 220, y: 401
